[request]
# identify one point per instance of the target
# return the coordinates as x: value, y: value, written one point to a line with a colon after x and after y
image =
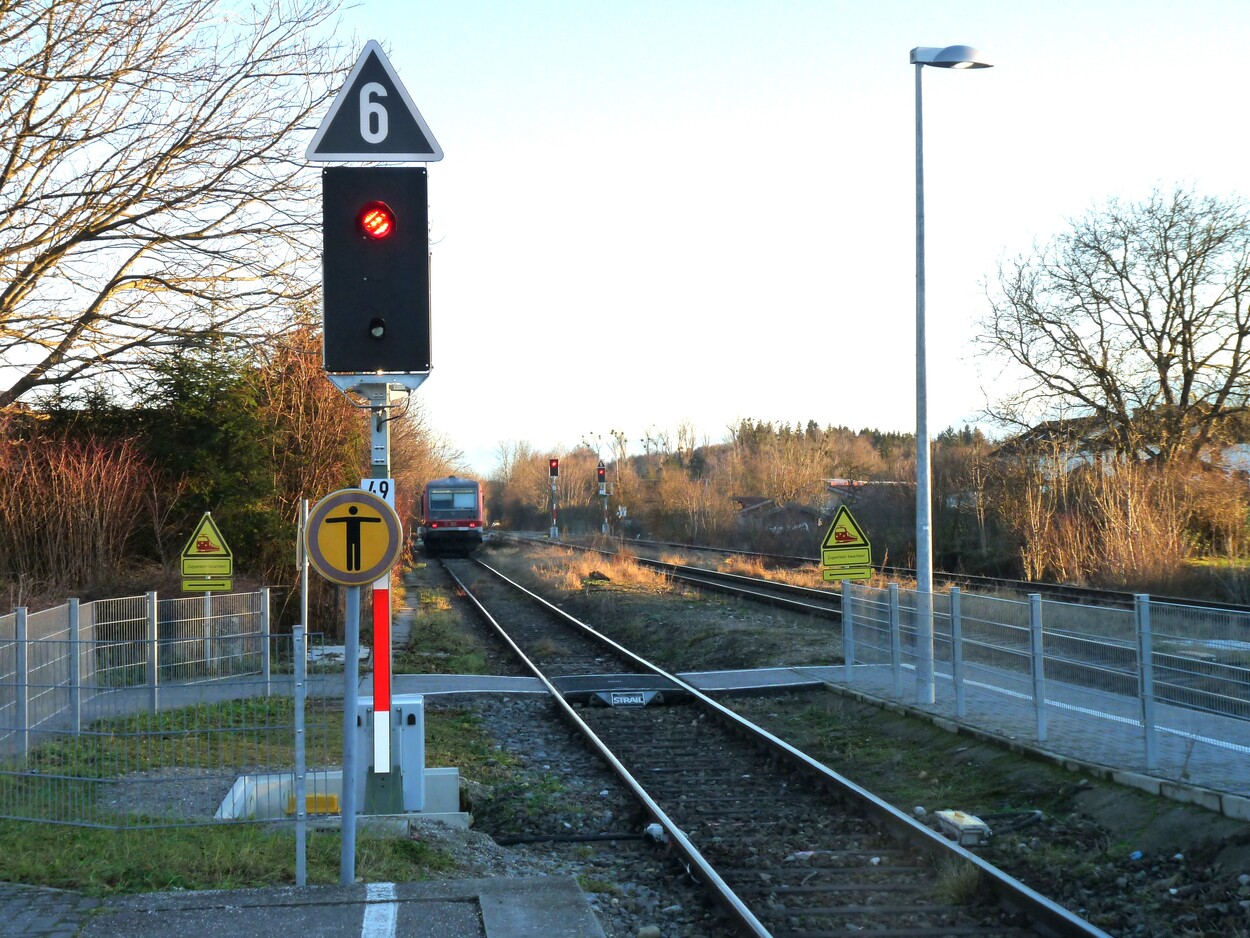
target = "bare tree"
x: 1139, y: 318
x: 151, y: 182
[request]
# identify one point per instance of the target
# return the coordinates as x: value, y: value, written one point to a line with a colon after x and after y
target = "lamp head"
x: 949, y: 57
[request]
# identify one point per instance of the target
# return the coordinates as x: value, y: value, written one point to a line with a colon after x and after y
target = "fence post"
x: 1036, y: 656
x: 848, y: 630
x: 264, y: 638
x: 1146, y: 679
x: 153, y: 656
x: 301, y: 784
x: 210, y: 652
x: 896, y: 643
x: 20, y: 678
x: 75, y: 667
x: 957, y: 651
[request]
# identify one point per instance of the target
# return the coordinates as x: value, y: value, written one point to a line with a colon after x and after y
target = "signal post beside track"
x: 376, y: 334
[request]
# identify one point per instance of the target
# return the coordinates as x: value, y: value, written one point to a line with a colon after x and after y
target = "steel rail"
x: 732, y: 904
x: 1051, y: 917
x: 740, y: 584
x: 1113, y: 598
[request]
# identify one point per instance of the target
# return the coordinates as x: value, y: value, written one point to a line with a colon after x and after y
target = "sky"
x: 695, y: 212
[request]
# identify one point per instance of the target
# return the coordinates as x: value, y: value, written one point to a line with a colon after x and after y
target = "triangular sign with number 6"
x: 373, y: 118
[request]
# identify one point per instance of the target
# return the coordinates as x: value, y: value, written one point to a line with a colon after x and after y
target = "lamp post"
x: 949, y: 57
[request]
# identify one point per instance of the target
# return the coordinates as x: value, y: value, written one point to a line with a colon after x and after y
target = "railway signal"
x: 375, y: 269
x: 555, y: 468
x: 601, y: 472
x: 376, y: 336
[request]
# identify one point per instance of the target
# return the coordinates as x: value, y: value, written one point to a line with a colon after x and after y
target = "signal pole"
x: 376, y: 334
x: 554, y: 467
x: 602, y: 472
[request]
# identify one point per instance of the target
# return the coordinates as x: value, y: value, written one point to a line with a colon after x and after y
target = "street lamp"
x: 949, y: 57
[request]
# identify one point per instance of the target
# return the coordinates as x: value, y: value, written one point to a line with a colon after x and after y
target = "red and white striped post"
x: 383, y: 486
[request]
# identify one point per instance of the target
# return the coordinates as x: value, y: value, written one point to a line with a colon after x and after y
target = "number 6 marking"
x: 373, y: 122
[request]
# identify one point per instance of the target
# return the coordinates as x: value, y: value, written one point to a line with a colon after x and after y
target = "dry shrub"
x: 570, y: 570
x: 628, y: 571
x: 551, y: 566
x: 1118, y: 522
x: 810, y: 575
x: 68, y: 507
x: 745, y: 565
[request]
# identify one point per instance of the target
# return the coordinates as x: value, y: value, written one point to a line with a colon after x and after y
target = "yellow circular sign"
x: 353, y: 537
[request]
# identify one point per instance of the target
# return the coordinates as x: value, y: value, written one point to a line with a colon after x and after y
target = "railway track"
x: 785, y: 846
x: 1101, y: 662
x: 1117, y: 599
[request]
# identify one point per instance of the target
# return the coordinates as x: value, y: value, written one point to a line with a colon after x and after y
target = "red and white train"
x: 453, y: 516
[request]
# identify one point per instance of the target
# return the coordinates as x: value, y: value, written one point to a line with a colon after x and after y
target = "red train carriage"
x: 452, y: 516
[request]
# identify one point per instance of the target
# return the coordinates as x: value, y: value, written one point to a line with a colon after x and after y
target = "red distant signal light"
x: 377, y: 221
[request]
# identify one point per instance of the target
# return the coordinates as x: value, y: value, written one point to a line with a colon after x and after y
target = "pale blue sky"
x: 669, y: 211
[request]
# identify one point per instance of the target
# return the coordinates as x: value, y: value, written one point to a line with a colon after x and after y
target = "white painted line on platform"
x: 381, y: 911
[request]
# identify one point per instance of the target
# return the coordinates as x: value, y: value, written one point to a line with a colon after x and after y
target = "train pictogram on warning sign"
x: 845, y: 553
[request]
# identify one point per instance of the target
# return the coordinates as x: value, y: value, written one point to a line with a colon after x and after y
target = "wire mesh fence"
x: 141, y: 712
x: 147, y: 713
x: 1163, y: 688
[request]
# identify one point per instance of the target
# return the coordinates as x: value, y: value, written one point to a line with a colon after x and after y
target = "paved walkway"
x: 518, y: 907
x: 43, y: 913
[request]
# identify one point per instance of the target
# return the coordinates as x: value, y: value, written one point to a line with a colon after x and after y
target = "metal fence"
x: 1162, y: 688
x: 60, y: 665
x: 143, y: 712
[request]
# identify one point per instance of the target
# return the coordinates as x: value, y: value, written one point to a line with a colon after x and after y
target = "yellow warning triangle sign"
x: 844, y: 532
x: 206, y: 541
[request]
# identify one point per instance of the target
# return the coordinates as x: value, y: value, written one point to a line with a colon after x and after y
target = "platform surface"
x: 516, y: 907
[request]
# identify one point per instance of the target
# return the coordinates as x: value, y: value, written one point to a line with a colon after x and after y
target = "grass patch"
x: 958, y: 881
x: 69, y: 773
x: 518, y: 802
x: 439, y: 641
x: 456, y: 737
x: 571, y: 571
x: 550, y: 647
x: 594, y: 884
x: 903, y: 774
x: 61, y: 780
x: 106, y: 862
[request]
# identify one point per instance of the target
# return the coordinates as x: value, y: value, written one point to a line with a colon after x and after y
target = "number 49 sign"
x: 373, y: 118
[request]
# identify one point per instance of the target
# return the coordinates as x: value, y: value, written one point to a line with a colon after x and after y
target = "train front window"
x: 445, y: 503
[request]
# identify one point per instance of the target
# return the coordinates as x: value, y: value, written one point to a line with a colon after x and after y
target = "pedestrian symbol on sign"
x: 351, y: 534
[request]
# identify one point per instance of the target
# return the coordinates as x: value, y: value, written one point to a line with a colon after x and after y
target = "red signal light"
x: 377, y: 221
x: 555, y: 468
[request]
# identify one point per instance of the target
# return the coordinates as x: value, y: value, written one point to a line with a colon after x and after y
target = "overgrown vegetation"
x: 1042, y: 507
x: 98, y: 496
